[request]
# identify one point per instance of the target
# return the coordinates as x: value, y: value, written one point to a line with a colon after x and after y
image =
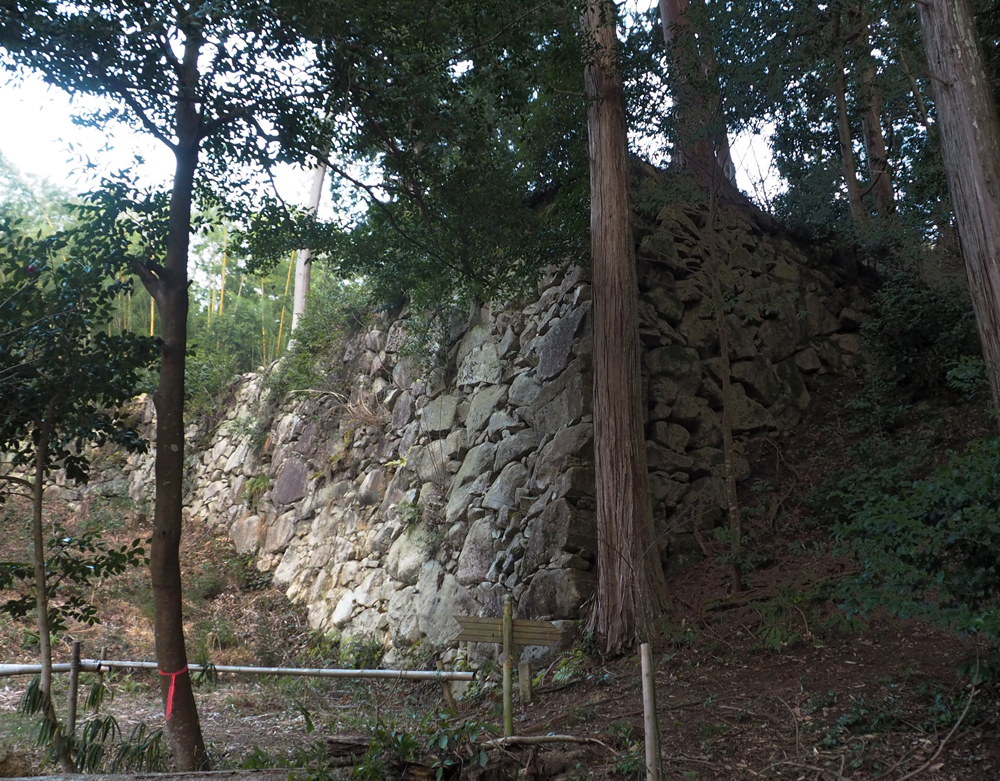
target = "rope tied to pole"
x: 170, y: 693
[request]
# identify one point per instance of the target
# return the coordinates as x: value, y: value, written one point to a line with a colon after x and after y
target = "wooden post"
x: 100, y: 679
x: 74, y: 686
x: 524, y: 681
x: 446, y: 687
x: 649, y: 715
x: 508, y: 668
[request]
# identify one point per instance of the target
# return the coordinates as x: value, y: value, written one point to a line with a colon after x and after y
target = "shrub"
x: 928, y: 548
x: 918, y: 333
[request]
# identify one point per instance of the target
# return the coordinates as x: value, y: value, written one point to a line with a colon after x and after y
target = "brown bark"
x: 168, y: 287
x: 631, y: 587
x: 44, y: 429
x: 847, y: 144
x: 871, y: 122
x: 703, y: 144
x: 970, y: 145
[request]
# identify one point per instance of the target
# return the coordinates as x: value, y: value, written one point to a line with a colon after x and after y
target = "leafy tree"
x: 221, y: 85
x: 448, y: 117
x: 62, y: 379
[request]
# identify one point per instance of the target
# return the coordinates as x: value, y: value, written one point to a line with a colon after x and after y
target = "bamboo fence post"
x: 74, y: 687
x: 448, y: 696
x: 508, y: 668
x: 524, y: 681
x: 649, y: 715
x: 100, y: 679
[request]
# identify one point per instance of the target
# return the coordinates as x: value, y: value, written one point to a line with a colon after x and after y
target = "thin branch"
x: 17, y: 481
x: 940, y: 748
x: 536, y: 740
x: 208, y: 128
x: 122, y: 91
x: 479, y: 44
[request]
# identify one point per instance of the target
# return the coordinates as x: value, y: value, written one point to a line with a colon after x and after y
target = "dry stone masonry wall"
x: 435, y: 492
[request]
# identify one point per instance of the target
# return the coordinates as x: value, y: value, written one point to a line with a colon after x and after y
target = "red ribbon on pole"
x: 170, y: 694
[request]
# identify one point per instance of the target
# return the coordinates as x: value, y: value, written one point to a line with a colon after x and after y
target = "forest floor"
x: 772, y: 683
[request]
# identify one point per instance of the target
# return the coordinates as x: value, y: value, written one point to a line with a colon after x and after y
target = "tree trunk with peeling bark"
x: 970, y: 146
x: 631, y: 587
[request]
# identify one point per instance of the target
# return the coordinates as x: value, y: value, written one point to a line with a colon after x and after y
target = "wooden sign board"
x: 512, y: 635
x: 490, y: 630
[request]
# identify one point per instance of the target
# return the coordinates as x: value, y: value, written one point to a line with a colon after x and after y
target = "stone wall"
x: 434, y: 492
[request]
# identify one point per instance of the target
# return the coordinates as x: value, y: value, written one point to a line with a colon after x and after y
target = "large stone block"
x: 478, y: 358
x: 560, y: 528
x: 749, y: 415
x: 503, y: 491
x: 279, y: 532
x: 439, y: 415
x: 477, y: 553
x: 439, y: 598
x: 562, y: 402
x: 758, y: 378
x: 515, y: 447
x: 293, y: 479
x: 478, y: 461
x: 557, y: 594
x: 555, y: 347
x: 524, y: 390
x: 568, y: 447
x: 483, y: 405
x: 408, y: 554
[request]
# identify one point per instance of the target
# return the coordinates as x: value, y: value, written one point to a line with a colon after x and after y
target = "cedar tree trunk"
x: 630, y: 588
x: 970, y: 146
x: 701, y: 133
x: 871, y: 122
x: 847, y: 144
x: 168, y: 286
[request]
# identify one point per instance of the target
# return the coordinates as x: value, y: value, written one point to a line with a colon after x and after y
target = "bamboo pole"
x: 508, y: 668
x: 100, y: 678
x: 263, y: 327
x: 225, y: 250
x: 649, y: 715
x: 284, y: 302
x: 96, y: 665
x: 152, y: 314
x: 74, y: 687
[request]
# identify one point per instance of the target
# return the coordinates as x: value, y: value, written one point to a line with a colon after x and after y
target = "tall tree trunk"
x: 847, y: 144
x: 303, y: 262
x: 970, y: 145
x: 703, y: 144
x: 168, y: 287
x: 631, y: 588
x: 871, y: 121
